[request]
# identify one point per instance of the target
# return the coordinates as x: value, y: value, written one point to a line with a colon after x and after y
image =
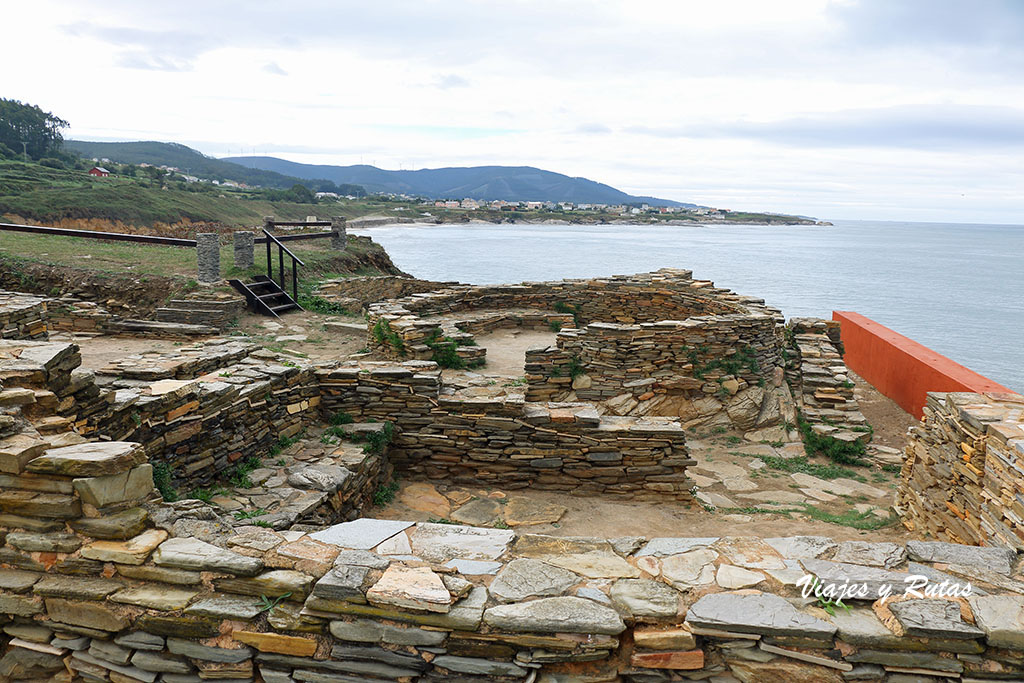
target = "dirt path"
x: 506, y: 350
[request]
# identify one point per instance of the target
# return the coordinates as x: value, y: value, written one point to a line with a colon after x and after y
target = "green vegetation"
x: 865, y: 521
x: 385, y: 336
x: 385, y: 493
x: 566, y: 307
x: 341, y: 418
x: 743, y: 359
x: 249, y: 514
x: 162, y: 476
x: 27, y: 130
x: 843, y: 452
x: 267, y: 605
x: 805, y: 466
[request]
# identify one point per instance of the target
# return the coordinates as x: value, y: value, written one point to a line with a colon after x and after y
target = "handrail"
x: 297, y: 238
x: 286, y: 249
x: 96, y: 235
x: 299, y: 224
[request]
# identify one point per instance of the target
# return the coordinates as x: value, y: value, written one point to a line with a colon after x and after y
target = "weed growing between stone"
x: 385, y: 336
x: 844, y: 452
x: 162, y: 475
x: 385, y: 493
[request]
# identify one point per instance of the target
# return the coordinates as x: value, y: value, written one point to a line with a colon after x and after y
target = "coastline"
x: 371, y: 222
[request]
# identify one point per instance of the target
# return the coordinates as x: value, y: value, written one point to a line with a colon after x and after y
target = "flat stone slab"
x: 591, y: 558
x: 524, y: 578
x: 1001, y: 617
x: 411, y: 587
x: 996, y: 559
x: 227, y: 607
x: 523, y: 512
x: 933, y: 619
x: 731, y: 578
x: 474, y: 567
x: 876, y: 581
x: 555, y: 615
x: 443, y: 542
x: 155, y: 597
x: 688, y: 570
x: 479, y: 512
x: 886, y: 555
x: 663, y: 547
x: 760, y: 613
x: 93, y: 459
x: 644, y: 598
x: 191, y: 553
x: 361, y: 534
x: 133, y: 551
x: 751, y: 553
x: 801, y: 547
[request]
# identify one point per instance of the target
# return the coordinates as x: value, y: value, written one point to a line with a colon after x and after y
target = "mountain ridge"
x: 509, y: 183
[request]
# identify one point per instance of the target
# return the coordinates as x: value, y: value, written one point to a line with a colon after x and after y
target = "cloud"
x: 926, y: 127
x: 273, y: 68
x: 593, y: 129
x: 139, y: 48
x: 450, y: 81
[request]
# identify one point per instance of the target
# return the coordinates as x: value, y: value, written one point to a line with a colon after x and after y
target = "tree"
x: 40, y: 131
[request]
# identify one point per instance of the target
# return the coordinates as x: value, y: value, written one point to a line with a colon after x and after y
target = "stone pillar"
x: 208, y: 256
x: 268, y: 223
x: 244, y: 249
x: 338, y: 235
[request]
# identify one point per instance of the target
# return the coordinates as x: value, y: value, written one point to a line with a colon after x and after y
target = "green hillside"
x: 45, y: 195
x: 194, y: 163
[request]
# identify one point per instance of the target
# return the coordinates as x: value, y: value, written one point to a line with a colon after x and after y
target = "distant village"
x: 467, y: 204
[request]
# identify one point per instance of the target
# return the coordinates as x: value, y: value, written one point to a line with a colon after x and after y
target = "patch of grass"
x: 249, y: 514
x: 555, y: 325
x: 440, y: 520
x: 844, y: 452
x: 733, y: 439
x: 892, y: 469
x: 805, y: 466
x: 162, y: 476
x: 207, y: 494
x: 377, y: 442
x: 385, y: 336
x: 865, y: 521
x: 239, y: 476
x: 385, y: 493
x: 281, y: 444
x: 341, y: 418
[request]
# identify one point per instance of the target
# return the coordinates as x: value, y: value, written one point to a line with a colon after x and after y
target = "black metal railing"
x: 95, y: 235
x: 281, y: 251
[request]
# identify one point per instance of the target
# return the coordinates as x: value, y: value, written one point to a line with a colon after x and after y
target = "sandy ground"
x: 605, y: 517
x: 506, y: 350
x: 889, y: 421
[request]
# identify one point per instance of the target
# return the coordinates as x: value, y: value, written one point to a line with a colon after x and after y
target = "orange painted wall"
x: 901, y: 368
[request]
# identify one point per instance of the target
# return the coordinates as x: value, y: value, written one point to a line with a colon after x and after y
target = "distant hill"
x: 511, y: 183
x: 192, y: 162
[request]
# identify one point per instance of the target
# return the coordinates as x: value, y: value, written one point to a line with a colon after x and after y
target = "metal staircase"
x: 264, y: 294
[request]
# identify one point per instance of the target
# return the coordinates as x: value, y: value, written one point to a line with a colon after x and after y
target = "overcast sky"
x: 888, y: 109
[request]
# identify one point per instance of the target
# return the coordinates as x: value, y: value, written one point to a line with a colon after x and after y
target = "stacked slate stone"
x: 962, y: 478
x: 68, y: 314
x: 214, y: 310
x: 200, y: 427
x: 668, y: 294
x: 826, y: 391
x: 704, y: 369
x: 394, y: 601
x: 22, y: 316
x: 355, y: 293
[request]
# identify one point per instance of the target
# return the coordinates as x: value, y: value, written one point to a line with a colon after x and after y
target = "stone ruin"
x: 102, y: 580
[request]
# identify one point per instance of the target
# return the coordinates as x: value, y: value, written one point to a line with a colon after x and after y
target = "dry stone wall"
x: 115, y: 598
x: 22, y: 316
x: 707, y: 370
x: 668, y: 294
x: 355, y: 293
x: 503, y: 440
x: 963, y: 472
